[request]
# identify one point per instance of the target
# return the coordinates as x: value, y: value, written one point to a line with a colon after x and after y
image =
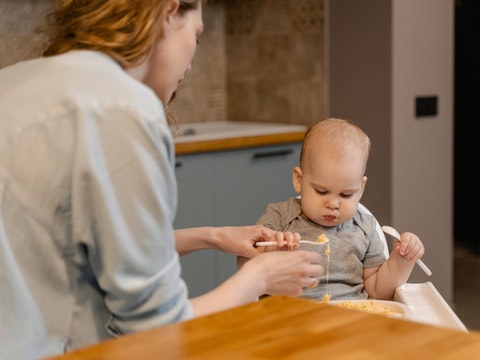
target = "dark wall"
x: 467, y: 124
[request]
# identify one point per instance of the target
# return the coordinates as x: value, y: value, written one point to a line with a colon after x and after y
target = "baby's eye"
x: 346, y: 196
x: 321, y: 192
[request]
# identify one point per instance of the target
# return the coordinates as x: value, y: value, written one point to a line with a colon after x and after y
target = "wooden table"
x: 289, y: 328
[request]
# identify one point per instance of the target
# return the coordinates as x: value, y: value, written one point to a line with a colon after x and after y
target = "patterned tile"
x: 19, y: 20
x: 258, y: 60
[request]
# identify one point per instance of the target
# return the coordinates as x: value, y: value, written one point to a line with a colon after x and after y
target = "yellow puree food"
x: 368, y: 306
x: 322, y: 238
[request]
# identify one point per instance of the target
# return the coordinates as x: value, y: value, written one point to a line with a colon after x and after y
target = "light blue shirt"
x: 87, y: 202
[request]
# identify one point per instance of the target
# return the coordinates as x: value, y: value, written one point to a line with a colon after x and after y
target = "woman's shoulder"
x: 93, y: 79
x: 104, y: 75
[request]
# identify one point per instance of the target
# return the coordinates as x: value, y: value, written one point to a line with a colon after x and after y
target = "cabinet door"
x: 246, y: 182
x: 226, y: 189
x: 196, y: 190
x: 196, y: 195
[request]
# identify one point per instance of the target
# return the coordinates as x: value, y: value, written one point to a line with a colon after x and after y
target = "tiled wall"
x: 258, y: 60
x: 203, y: 94
x: 18, y: 22
x: 275, y: 60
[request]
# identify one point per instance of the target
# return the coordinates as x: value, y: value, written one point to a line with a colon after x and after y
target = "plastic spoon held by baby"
x: 392, y: 232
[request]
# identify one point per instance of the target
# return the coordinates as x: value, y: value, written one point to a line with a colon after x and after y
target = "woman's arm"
x: 274, y: 273
x: 236, y: 240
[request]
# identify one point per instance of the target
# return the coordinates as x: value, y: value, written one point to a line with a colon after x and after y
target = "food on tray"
x: 326, y: 298
x: 385, y: 308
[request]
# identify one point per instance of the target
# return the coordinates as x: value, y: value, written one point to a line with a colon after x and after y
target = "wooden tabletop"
x: 192, y: 147
x: 289, y: 328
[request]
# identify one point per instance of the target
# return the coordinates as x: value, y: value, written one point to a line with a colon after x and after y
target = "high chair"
x: 426, y: 303
x: 364, y: 210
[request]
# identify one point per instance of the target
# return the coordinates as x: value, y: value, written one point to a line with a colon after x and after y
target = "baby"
x: 330, y: 181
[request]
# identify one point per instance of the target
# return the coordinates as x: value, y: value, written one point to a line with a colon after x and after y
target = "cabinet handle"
x: 265, y: 154
x: 178, y: 164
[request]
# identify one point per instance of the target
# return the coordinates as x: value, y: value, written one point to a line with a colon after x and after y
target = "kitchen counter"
x: 230, y: 135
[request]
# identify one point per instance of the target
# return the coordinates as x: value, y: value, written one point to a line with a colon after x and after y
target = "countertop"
x: 226, y: 135
x: 289, y: 328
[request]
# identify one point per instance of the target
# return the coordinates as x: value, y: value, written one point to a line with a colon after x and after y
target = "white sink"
x: 215, y: 130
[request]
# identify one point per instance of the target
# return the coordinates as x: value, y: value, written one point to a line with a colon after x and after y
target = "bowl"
x: 393, y: 309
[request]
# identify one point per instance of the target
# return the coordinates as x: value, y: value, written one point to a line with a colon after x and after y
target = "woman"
x: 87, y: 186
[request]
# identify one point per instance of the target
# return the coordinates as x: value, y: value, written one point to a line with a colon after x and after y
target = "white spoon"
x: 270, y: 243
x: 392, y: 232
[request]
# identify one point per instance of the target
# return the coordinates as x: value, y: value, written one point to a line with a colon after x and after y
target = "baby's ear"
x: 364, y: 182
x: 297, y: 179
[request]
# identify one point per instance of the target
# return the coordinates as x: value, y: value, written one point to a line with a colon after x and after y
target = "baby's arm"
x: 381, y: 281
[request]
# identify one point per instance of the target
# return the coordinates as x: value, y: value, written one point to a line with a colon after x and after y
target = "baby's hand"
x: 411, y: 248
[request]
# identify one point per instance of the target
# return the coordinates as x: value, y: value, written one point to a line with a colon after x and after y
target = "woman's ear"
x: 171, y: 11
x: 297, y: 179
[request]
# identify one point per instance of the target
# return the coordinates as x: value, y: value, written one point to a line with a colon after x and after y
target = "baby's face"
x: 330, y: 188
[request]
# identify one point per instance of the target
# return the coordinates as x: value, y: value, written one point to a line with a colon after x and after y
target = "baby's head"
x: 331, y: 177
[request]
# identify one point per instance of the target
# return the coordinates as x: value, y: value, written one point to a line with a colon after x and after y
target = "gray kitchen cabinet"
x: 228, y: 188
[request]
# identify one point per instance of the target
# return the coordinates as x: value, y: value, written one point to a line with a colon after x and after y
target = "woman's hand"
x: 236, y: 240
x: 240, y: 240
x: 286, y: 273
x: 285, y: 241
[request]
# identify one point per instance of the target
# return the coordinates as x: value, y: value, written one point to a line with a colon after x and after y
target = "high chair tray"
x: 428, y: 306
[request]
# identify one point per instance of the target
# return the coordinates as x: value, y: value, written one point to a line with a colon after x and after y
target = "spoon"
x: 392, y: 232
x: 270, y: 243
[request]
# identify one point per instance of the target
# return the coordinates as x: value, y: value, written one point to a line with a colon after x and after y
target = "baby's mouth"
x: 330, y: 217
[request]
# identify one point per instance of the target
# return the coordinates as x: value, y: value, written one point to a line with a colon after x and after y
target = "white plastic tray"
x: 428, y: 306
